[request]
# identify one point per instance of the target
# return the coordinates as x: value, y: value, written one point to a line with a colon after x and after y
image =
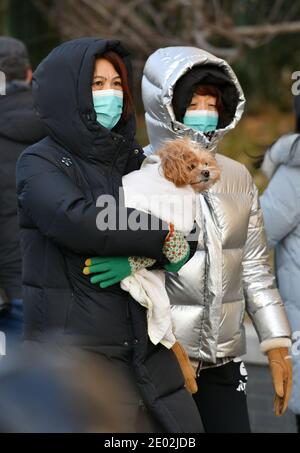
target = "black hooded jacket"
x: 19, y: 128
x: 205, y: 75
x: 59, y: 180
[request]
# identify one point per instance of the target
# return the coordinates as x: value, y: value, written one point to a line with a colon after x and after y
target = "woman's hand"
x: 111, y: 270
x: 176, y: 249
x: 175, y: 267
x: 282, y: 375
x: 108, y: 271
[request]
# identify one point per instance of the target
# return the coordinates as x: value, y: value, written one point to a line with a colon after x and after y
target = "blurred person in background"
x: 280, y: 203
x: 82, y: 92
x: 19, y: 128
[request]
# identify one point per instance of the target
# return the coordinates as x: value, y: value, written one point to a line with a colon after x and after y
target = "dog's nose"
x: 205, y: 173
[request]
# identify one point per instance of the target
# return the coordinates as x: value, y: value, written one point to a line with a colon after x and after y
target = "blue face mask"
x: 201, y: 120
x: 108, y: 105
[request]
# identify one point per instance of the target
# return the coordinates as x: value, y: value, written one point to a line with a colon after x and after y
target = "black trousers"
x: 221, y: 398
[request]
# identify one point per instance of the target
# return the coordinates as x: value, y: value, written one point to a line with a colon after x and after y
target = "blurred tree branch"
x: 219, y: 26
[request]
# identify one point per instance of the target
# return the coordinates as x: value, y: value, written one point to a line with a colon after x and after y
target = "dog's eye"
x: 192, y: 166
x: 206, y: 164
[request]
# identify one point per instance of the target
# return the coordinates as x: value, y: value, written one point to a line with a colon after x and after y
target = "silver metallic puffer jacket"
x: 229, y: 273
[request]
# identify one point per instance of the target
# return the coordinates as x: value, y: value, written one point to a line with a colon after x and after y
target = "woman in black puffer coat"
x: 59, y: 180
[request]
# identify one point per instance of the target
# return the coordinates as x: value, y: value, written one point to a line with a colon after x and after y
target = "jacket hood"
x: 167, y: 69
x: 19, y: 121
x: 285, y: 151
x: 63, y: 98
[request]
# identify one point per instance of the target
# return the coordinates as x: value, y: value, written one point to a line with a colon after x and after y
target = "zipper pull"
x: 198, y: 371
x: 127, y: 309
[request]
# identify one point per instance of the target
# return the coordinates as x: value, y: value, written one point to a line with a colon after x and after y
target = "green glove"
x: 175, y: 267
x: 109, y: 270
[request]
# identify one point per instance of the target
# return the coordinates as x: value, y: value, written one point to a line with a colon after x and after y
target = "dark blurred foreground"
x: 63, y: 390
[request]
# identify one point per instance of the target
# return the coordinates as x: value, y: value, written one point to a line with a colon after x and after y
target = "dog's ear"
x: 174, y: 167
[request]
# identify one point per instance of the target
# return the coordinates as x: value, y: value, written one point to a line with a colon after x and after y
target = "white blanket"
x: 147, y: 190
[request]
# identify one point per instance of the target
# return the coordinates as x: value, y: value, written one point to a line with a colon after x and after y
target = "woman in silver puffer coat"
x: 228, y: 275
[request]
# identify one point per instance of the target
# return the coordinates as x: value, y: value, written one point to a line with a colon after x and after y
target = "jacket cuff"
x: 268, y: 315
x: 274, y: 343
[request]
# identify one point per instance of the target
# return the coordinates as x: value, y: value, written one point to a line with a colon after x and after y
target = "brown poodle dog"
x: 184, y: 162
